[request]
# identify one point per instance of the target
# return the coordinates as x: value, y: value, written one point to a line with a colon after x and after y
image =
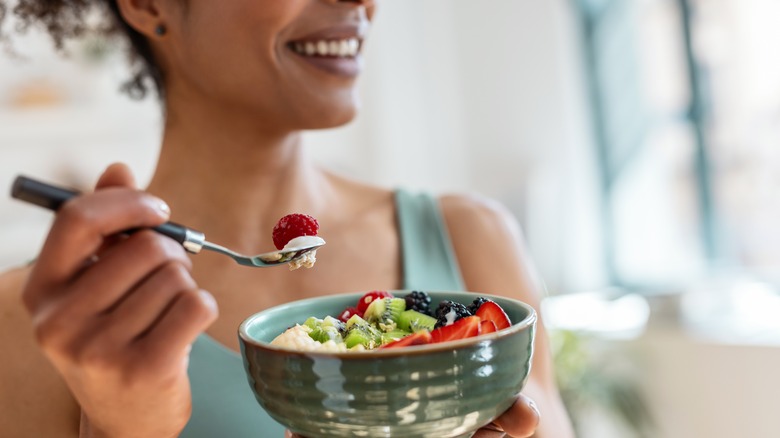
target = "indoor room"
x: 636, y: 144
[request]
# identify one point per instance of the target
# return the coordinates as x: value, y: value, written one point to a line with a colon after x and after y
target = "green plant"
x: 592, y: 375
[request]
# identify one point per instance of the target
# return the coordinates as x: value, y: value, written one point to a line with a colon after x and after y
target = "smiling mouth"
x: 327, y: 48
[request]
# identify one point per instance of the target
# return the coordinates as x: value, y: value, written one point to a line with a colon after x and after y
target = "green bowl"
x: 449, y: 389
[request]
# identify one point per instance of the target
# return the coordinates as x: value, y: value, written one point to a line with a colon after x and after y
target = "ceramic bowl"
x: 449, y: 389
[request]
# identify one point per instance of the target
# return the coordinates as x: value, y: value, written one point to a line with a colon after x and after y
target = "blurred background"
x: 636, y: 141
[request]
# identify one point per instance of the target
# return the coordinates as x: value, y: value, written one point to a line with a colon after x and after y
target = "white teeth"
x: 322, y: 48
x: 340, y: 48
x: 343, y: 48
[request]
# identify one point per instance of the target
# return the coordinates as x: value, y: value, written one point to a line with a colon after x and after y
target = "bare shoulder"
x: 33, y: 398
x: 490, y: 247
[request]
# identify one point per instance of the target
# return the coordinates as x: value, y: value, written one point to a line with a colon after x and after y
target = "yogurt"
x: 308, y: 259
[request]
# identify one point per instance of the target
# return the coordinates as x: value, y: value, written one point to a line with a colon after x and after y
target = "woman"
x: 119, y: 336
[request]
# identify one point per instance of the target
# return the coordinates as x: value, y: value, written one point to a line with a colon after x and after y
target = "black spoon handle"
x: 52, y: 197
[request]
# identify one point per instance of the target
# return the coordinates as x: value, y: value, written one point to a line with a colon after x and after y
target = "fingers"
x: 521, y: 420
x: 137, y: 313
x: 489, y: 433
x: 121, y: 268
x: 116, y: 175
x: 82, y: 224
x: 190, y: 313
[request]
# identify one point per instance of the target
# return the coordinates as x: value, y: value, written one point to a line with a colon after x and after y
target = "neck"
x: 233, y: 179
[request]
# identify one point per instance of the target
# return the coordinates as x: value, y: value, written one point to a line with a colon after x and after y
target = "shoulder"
x: 478, y: 214
x: 34, y: 397
x: 489, y: 246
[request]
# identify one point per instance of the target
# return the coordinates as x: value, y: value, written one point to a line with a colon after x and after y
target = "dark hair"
x: 65, y: 20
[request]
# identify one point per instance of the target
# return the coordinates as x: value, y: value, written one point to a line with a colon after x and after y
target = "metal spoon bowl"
x: 52, y: 197
x: 267, y: 259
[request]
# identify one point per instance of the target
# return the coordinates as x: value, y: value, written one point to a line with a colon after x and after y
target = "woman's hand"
x: 519, y: 421
x: 116, y: 315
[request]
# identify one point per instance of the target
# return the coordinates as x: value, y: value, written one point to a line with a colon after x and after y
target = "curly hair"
x: 66, y: 20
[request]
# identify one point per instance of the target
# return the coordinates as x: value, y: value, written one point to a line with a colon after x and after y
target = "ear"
x: 142, y: 15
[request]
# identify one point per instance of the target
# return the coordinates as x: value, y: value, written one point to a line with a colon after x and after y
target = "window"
x: 685, y: 105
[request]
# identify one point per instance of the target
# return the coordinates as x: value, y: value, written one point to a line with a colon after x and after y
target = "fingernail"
x: 208, y: 299
x: 164, y: 209
x: 532, y: 405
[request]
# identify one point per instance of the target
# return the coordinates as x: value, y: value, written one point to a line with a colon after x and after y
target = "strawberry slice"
x: 460, y: 329
x: 490, y: 311
x: 368, y: 298
x: 487, y: 327
x: 418, y: 338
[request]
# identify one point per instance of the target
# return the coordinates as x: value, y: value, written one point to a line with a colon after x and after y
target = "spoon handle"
x: 52, y: 197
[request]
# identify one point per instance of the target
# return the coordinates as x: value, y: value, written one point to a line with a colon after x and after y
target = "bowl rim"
x: 517, y: 327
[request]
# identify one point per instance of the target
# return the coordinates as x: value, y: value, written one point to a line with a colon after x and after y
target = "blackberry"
x: 447, y: 309
x: 419, y: 301
x: 474, y: 306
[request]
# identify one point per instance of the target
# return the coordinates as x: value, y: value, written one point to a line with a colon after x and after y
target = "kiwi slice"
x: 361, y: 332
x: 325, y: 334
x: 393, y: 335
x: 330, y: 321
x: 327, y: 329
x: 355, y: 320
x: 385, y: 312
x: 312, y: 323
x: 414, y: 321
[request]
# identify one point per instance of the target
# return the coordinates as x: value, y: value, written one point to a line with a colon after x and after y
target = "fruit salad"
x: 297, y: 231
x: 380, y: 320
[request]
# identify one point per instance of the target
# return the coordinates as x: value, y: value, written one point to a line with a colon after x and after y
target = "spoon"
x: 52, y: 197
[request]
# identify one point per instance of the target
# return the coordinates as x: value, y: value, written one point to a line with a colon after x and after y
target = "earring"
x: 160, y: 30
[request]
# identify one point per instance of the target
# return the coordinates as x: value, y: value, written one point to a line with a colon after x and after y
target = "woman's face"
x: 292, y: 62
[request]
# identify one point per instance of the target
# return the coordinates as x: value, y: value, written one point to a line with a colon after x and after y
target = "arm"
x: 478, y: 227
x: 34, y: 399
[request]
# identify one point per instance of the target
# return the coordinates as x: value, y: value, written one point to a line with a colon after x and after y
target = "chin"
x: 330, y: 117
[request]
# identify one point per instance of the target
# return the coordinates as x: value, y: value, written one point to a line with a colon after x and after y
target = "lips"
x: 336, y: 50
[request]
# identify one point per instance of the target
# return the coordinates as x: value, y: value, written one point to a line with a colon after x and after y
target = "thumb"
x: 521, y: 419
x: 116, y: 175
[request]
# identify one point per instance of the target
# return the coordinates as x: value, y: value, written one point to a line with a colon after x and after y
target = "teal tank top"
x: 223, y: 406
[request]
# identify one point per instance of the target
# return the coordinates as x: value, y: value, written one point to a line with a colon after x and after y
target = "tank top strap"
x: 429, y: 260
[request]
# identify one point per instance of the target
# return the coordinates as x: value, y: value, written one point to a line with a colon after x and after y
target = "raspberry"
x: 292, y: 226
x: 419, y: 301
x: 368, y: 298
x: 449, y: 312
